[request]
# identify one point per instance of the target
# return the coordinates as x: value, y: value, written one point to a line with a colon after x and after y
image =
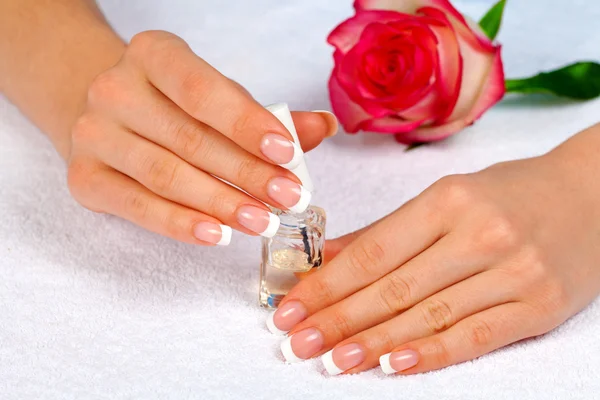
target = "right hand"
x: 162, y: 130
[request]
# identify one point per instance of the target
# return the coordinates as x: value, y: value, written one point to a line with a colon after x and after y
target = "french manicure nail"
x: 281, y: 150
x: 213, y: 233
x: 343, y: 358
x: 286, y: 317
x: 397, y: 361
x: 330, y: 119
x: 302, y: 345
x: 258, y: 220
x: 288, y: 193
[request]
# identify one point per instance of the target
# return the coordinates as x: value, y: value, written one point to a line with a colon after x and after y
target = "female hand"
x: 162, y: 130
x: 474, y: 263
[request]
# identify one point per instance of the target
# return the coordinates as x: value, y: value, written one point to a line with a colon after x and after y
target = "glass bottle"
x: 297, y: 247
x: 295, y: 250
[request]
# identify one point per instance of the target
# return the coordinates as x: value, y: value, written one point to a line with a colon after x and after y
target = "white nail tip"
x: 386, y: 367
x: 303, y: 202
x: 296, y: 159
x: 225, y: 235
x: 271, y: 326
x: 327, y: 360
x: 324, y: 112
x: 273, y: 226
x: 288, y: 353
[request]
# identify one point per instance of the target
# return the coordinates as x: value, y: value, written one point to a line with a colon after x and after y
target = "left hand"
x: 474, y: 263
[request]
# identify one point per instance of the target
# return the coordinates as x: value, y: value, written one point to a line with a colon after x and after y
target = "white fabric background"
x: 94, y: 307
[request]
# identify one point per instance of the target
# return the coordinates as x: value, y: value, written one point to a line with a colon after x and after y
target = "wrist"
x: 49, y: 54
x: 577, y: 165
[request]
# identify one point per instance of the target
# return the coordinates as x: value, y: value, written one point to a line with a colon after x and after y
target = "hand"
x: 472, y: 264
x: 160, y: 132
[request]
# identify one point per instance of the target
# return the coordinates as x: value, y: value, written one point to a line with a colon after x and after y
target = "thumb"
x: 313, y: 127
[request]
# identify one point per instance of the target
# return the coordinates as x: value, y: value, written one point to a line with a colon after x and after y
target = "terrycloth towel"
x: 94, y: 307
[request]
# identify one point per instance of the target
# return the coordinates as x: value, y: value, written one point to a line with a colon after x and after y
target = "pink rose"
x: 413, y: 68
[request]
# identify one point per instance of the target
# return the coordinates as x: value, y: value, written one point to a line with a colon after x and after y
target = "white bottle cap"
x: 282, y: 112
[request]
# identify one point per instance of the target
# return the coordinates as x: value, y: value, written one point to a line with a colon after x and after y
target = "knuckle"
x: 533, y: 266
x: 500, y: 233
x: 217, y: 203
x: 82, y: 179
x: 438, y: 348
x: 365, y: 258
x: 78, y: 175
x: 455, y: 191
x: 176, y: 223
x: 437, y: 315
x: 190, y: 141
x: 198, y: 92
x: 553, y: 297
x: 558, y: 295
x: 242, y: 125
x: 320, y: 289
x: 341, y: 324
x: 107, y: 88
x: 163, y: 174
x: 396, y: 292
x: 136, y: 205
x: 84, y: 130
x: 479, y: 333
x: 149, y: 41
x: 249, y: 170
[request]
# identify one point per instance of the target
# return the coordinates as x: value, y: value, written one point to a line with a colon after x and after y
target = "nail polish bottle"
x: 297, y: 247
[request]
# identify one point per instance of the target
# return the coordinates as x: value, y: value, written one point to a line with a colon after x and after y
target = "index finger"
x: 384, y: 247
x: 210, y: 97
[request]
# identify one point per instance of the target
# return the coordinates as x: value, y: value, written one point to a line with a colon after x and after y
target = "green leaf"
x: 490, y: 23
x: 579, y: 81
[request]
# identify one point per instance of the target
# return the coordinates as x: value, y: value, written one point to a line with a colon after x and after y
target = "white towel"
x: 95, y: 307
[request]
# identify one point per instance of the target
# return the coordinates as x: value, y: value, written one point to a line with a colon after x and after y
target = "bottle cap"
x: 282, y: 113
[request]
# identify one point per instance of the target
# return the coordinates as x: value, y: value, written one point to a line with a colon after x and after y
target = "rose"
x: 413, y: 68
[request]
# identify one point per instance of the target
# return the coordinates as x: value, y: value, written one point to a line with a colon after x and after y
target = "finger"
x: 472, y: 337
x: 208, y: 96
x: 170, y: 177
x: 334, y: 246
x: 150, y: 114
x: 449, y: 261
x: 112, y: 192
x: 312, y: 127
x: 390, y: 243
x: 433, y: 315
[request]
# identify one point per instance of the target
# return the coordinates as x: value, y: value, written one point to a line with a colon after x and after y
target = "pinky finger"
x: 126, y: 198
x: 470, y: 338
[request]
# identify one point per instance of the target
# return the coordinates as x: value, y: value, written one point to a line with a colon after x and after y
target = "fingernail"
x: 343, y: 358
x: 289, y: 194
x: 213, y: 233
x: 281, y: 150
x: 397, y: 361
x: 330, y: 120
x: 258, y: 220
x: 286, y: 317
x: 302, y: 345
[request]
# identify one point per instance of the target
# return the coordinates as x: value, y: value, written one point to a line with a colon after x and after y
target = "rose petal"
x: 476, y: 69
x: 450, y: 71
x: 405, y: 6
x: 476, y: 37
x: 492, y: 91
x: 348, y: 33
x: 350, y: 114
